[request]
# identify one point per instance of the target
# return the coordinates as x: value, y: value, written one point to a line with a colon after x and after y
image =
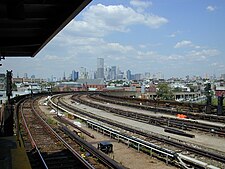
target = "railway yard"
x: 66, y: 130
x: 132, y: 109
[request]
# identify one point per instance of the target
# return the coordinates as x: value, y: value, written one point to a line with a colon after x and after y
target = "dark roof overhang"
x: 26, y: 26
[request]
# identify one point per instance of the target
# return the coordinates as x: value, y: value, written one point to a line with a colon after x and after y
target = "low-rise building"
x: 92, y: 84
x: 220, y: 91
x: 69, y: 86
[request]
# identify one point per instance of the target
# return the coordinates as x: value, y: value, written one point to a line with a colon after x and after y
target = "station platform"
x: 12, y: 154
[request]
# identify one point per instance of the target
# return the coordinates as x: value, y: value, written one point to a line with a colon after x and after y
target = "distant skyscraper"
x: 137, y: 76
x: 159, y: 75
x: 83, y: 73
x: 25, y: 75
x: 74, y: 75
x: 113, y: 73
x: 223, y: 76
x: 64, y: 76
x: 147, y: 75
x: 119, y: 73
x: 100, y: 68
x: 128, y: 75
x: 107, y: 73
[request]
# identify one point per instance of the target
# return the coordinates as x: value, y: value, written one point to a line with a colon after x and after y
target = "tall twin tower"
x: 100, y: 68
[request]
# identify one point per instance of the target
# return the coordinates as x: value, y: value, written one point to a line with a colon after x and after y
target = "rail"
x: 171, y: 142
x: 81, y: 159
x: 163, y: 121
x: 105, y: 159
x: 155, y: 105
x: 168, y: 154
x: 108, y: 161
x: 34, y: 145
x: 199, y: 151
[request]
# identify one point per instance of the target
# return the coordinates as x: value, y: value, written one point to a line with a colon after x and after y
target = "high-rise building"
x: 137, y: 76
x: 100, y: 68
x: 107, y: 73
x: 25, y: 75
x: 83, y: 73
x: 147, y: 75
x: 64, y: 76
x: 113, y: 73
x: 223, y: 76
x: 128, y: 75
x: 74, y: 75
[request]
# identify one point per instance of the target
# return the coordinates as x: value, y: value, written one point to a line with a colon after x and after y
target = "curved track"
x: 49, y: 147
x: 182, y: 145
x: 46, y: 145
x: 194, y: 111
x: 162, y: 121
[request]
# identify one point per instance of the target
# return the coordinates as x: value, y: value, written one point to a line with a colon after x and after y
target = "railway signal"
x: 220, y: 105
x: 9, y: 83
x: 8, y: 126
x: 209, y: 97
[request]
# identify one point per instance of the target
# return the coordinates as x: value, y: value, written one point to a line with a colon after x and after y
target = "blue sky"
x: 174, y: 37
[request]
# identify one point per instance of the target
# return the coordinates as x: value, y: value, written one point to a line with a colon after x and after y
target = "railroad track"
x: 49, y: 147
x: 180, y: 145
x: 44, y: 146
x: 158, y: 121
x: 168, y: 107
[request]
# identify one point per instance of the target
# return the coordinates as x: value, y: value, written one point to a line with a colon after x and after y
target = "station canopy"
x: 26, y: 26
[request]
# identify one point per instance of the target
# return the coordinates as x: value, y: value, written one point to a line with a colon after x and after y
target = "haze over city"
x: 176, y: 37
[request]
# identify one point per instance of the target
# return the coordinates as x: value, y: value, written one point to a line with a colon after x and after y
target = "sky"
x: 174, y: 37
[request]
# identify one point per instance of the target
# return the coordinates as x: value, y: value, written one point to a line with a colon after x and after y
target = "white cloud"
x: 91, y: 47
x: 174, y: 57
x: 202, y: 54
x: 174, y: 34
x: 117, y: 47
x: 141, y: 5
x: 85, y: 37
x: 196, y: 53
x: 51, y: 57
x: 218, y: 65
x: 215, y: 64
x: 146, y: 55
x: 183, y: 43
x: 210, y: 8
x: 100, y: 19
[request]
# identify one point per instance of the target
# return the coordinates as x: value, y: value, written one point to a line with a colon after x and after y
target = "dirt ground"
x: 128, y: 157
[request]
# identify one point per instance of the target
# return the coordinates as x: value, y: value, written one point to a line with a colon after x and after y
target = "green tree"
x: 14, y: 87
x: 177, y: 89
x: 164, y: 92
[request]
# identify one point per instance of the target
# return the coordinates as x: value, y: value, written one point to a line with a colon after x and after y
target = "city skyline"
x: 114, y: 73
x: 111, y: 72
x: 177, y: 38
